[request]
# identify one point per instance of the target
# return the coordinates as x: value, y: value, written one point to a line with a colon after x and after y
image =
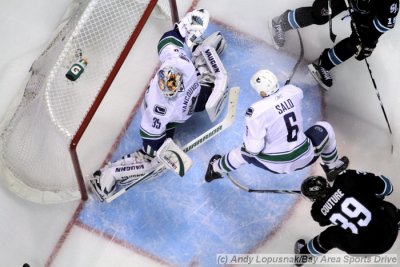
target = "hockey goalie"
x: 183, y: 84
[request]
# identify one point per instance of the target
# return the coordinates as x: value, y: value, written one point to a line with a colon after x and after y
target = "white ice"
x: 29, y: 232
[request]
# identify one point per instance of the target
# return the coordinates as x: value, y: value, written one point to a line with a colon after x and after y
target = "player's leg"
x: 302, y: 17
x: 331, y: 57
x: 384, y: 234
x: 314, y: 247
x: 219, y: 165
x: 323, y: 138
x: 332, y: 237
x: 376, y: 241
x: 222, y: 164
x: 338, y: 54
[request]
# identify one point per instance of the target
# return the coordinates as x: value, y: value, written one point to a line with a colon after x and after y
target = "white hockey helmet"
x: 265, y: 83
x: 169, y: 81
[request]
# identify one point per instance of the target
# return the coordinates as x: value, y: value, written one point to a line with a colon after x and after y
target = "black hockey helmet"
x: 314, y: 187
x: 362, y: 6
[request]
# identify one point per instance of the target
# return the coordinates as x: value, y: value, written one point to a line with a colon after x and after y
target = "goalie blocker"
x: 173, y: 157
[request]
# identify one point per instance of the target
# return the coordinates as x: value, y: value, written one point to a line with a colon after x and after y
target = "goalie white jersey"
x: 274, y: 131
x: 160, y: 113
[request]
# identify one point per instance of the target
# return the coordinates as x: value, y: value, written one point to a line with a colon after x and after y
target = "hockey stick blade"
x: 199, y: 140
x: 274, y: 191
x: 332, y: 36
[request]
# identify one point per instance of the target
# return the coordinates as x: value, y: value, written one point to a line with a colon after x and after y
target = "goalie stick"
x: 276, y: 191
x: 199, y: 140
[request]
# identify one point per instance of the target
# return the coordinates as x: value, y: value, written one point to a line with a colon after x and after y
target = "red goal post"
x: 39, y: 159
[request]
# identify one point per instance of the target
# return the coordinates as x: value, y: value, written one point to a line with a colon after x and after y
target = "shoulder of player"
x: 350, y: 173
x: 170, y: 40
x: 264, y: 105
x: 290, y: 88
x: 351, y: 179
x: 345, y: 175
x: 176, y: 56
x: 260, y: 107
x: 389, y: 2
x: 387, y: 8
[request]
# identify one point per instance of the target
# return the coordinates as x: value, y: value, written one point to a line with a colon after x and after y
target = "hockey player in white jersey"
x: 274, y: 139
x: 183, y: 84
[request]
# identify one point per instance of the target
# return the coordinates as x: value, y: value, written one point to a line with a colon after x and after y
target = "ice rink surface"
x: 185, y: 221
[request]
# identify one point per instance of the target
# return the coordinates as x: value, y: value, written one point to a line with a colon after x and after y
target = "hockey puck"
x: 25, y: 265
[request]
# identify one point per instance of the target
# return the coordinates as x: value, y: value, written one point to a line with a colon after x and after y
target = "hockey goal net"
x: 39, y: 158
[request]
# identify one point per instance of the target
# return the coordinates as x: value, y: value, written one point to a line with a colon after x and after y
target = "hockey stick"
x: 199, y: 140
x: 370, y: 74
x: 275, y: 191
x: 298, y: 60
x: 331, y: 34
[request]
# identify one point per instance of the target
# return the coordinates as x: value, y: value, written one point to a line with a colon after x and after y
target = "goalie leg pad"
x: 136, y: 157
x: 121, y: 172
x: 136, y: 169
x: 103, y: 183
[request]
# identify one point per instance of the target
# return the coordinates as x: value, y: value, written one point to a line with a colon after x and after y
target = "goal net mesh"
x: 35, y: 159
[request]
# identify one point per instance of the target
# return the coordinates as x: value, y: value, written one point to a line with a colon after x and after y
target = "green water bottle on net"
x: 76, y: 69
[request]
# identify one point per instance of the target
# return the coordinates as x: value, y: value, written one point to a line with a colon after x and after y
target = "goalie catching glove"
x: 193, y: 25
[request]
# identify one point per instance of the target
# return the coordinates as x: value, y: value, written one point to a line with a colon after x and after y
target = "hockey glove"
x: 364, y: 51
x: 193, y: 25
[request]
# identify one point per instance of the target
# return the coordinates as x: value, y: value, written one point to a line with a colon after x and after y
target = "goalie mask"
x: 169, y: 81
x: 265, y: 83
x: 314, y: 187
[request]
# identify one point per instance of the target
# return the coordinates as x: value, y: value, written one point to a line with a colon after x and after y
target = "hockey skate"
x: 320, y: 74
x: 277, y: 32
x: 299, y: 260
x: 211, y: 174
x: 332, y: 173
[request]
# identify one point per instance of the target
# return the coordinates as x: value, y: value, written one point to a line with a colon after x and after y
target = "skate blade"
x: 314, y: 73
